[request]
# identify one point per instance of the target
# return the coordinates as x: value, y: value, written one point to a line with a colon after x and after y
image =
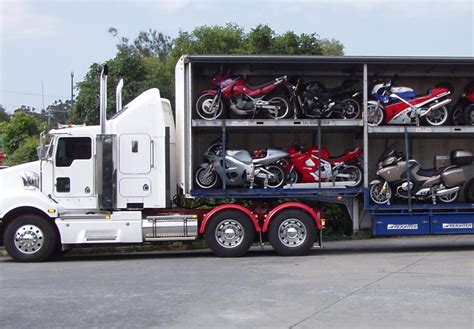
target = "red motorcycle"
x: 314, y: 165
x: 463, y: 113
x: 244, y: 99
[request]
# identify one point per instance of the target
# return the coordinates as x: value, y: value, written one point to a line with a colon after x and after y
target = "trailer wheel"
x: 230, y: 233
x: 292, y: 233
x: 30, y: 238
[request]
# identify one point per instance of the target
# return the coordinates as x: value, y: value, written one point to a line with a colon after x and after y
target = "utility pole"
x: 42, y: 97
x: 72, y: 95
x: 72, y: 86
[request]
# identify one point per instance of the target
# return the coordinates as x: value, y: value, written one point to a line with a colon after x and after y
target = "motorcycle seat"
x: 431, y: 171
x: 335, y: 157
x: 268, y: 83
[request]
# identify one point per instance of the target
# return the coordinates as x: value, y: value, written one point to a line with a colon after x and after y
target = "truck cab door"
x: 73, y: 172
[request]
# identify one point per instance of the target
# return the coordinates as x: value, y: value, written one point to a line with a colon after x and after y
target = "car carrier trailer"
x: 115, y: 183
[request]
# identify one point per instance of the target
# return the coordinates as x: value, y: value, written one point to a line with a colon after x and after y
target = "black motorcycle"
x: 313, y: 100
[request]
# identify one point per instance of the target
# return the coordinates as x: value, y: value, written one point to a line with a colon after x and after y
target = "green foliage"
x: 21, y: 126
x: 26, y: 152
x: 149, y: 60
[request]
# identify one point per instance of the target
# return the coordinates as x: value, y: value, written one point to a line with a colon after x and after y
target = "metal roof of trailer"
x: 444, y: 60
x: 404, y: 65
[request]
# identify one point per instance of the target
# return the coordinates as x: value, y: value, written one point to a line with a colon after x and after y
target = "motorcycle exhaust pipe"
x: 437, y: 105
x: 447, y: 191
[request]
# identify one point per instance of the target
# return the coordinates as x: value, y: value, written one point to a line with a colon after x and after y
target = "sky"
x: 42, y: 42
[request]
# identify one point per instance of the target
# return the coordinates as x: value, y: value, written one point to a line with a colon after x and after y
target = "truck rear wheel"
x: 230, y: 233
x: 292, y: 233
x: 30, y: 238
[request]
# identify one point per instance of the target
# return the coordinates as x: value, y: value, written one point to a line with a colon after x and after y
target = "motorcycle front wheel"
x: 278, y: 179
x: 375, y: 115
x: 351, y: 109
x: 282, y: 108
x: 206, y: 180
x: 379, y: 194
x: 437, y: 117
x: 206, y: 110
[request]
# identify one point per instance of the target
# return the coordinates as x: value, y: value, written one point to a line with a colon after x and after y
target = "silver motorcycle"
x: 410, y: 180
x: 240, y: 168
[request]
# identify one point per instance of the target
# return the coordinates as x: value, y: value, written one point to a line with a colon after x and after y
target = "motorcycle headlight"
x: 30, y: 179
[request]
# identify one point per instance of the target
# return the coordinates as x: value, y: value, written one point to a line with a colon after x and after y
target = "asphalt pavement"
x: 415, y: 282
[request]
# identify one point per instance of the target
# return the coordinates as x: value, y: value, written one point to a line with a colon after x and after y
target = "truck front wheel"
x: 230, y: 233
x: 292, y: 233
x: 30, y: 238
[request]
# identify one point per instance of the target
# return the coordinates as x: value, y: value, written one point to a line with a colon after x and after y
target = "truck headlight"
x: 30, y: 179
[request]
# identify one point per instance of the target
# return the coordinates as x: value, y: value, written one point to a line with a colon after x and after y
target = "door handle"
x: 152, y: 145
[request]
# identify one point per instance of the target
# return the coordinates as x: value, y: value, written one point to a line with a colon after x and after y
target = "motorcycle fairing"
x: 399, y: 113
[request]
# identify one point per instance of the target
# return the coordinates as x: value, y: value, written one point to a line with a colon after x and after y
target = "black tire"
x: 223, y: 245
x: 304, y: 238
x: 457, y: 116
x: 203, y: 105
x: 469, y: 191
x: 285, y: 110
x: 211, y: 182
x: 42, y: 243
x: 293, y: 177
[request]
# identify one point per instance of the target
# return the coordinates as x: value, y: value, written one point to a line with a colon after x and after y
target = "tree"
x: 150, y: 59
x: 14, y: 133
x: 26, y: 152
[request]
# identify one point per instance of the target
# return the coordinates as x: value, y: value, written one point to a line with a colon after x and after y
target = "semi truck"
x: 114, y: 183
x: 130, y: 179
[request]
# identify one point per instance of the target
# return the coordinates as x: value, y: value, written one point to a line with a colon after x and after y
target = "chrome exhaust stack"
x: 118, y: 96
x: 103, y: 98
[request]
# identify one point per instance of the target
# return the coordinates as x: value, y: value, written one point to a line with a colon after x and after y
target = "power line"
x: 31, y: 94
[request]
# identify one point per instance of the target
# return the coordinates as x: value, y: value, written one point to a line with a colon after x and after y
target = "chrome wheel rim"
x: 207, y: 108
x: 437, y: 116
x: 278, y: 102
x: 206, y: 180
x: 229, y: 233
x: 278, y: 177
x: 29, y: 239
x: 292, y: 232
x: 378, y: 196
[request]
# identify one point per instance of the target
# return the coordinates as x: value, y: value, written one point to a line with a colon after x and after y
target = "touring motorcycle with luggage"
x: 406, y: 179
x: 314, y: 165
x: 233, y: 92
x: 463, y: 110
x: 241, y: 168
x: 401, y: 105
x: 314, y: 100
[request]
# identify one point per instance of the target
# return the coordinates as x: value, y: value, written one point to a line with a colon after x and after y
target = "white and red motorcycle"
x: 401, y: 105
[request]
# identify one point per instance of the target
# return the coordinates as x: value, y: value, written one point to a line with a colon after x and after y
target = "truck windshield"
x: 45, y: 150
